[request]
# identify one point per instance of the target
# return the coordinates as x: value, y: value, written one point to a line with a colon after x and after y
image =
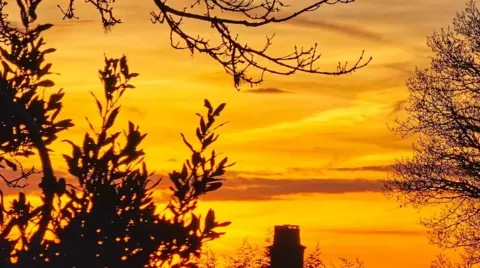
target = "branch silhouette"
x: 239, y: 59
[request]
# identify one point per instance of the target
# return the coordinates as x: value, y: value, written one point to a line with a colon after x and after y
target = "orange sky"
x: 310, y: 150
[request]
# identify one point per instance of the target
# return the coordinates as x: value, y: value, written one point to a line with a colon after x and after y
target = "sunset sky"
x: 309, y: 150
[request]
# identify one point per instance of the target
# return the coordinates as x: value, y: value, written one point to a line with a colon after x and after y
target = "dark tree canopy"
x: 444, y: 113
x: 103, y: 213
x: 240, y: 60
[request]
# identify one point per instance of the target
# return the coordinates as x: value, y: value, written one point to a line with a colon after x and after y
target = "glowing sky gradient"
x: 310, y: 150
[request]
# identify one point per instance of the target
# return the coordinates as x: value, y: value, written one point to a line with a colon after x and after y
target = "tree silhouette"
x: 245, y: 63
x: 104, y: 216
x: 444, y: 112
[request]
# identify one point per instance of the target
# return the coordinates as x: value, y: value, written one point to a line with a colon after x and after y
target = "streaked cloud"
x: 268, y: 90
x: 398, y: 106
x: 243, y: 173
x: 345, y: 29
x: 385, y: 168
x: 404, y: 67
x: 270, y: 189
x: 74, y: 23
x: 137, y: 112
x: 376, y: 232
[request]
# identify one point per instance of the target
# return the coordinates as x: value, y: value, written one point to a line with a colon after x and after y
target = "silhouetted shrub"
x: 255, y: 256
x: 104, y: 215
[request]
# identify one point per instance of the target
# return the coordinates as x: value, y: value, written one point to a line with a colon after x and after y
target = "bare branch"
x: 18, y: 181
x: 246, y: 64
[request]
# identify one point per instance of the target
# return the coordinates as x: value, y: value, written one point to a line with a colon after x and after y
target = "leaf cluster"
x: 22, y: 76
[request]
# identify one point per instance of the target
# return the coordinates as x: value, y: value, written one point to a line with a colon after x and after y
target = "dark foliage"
x: 104, y: 215
x: 224, y: 17
x: 28, y: 118
x: 255, y: 256
x: 444, y: 112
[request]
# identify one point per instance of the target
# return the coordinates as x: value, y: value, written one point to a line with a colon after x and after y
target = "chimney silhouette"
x: 286, y: 251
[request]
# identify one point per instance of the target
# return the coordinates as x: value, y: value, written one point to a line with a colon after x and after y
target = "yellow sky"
x: 309, y: 150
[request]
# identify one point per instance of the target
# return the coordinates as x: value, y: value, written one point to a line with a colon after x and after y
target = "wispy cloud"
x: 378, y: 232
x: 241, y: 173
x: 382, y: 168
x: 403, y: 67
x: 267, y: 90
x: 74, y: 23
x: 345, y: 29
x: 398, y: 106
x: 306, y: 170
x: 134, y: 110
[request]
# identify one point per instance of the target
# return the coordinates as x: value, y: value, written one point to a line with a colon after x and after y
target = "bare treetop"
x: 443, y: 111
x: 245, y: 63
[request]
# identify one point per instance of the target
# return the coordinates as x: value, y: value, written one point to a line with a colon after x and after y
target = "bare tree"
x: 238, y: 58
x: 444, y: 113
